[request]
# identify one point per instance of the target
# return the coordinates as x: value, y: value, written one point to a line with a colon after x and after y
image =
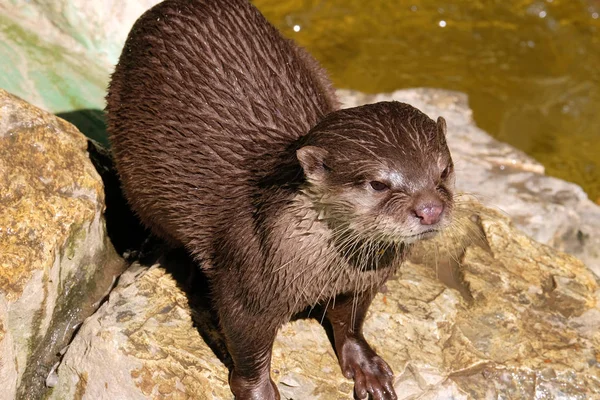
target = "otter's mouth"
x: 428, y: 234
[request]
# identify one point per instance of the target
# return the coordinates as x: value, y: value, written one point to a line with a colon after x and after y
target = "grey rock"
x: 55, y: 252
x: 550, y: 210
x: 483, y: 313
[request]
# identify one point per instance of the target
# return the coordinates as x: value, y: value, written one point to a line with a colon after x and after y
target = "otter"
x: 229, y: 141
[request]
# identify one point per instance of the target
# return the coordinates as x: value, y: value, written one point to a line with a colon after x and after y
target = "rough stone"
x: 58, y: 54
x: 550, y: 210
x: 52, y: 240
x: 484, y: 312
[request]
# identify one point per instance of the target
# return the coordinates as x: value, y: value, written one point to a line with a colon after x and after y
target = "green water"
x: 531, y: 68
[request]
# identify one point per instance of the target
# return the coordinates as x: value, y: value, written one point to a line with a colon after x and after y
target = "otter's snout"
x: 429, y: 210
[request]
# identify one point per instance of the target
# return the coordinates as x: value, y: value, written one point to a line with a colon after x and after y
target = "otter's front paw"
x: 371, y: 374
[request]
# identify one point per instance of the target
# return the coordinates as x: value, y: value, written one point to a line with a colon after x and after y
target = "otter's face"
x: 381, y: 171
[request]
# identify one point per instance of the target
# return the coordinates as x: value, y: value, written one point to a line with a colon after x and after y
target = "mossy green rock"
x: 58, y: 55
x: 55, y: 255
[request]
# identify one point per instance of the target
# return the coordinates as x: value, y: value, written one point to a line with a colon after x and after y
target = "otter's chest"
x: 318, y: 271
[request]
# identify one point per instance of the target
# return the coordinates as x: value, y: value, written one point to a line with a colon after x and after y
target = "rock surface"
x: 550, y: 210
x: 483, y: 313
x: 58, y: 54
x: 55, y: 253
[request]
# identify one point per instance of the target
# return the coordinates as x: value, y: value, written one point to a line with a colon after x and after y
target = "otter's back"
x: 202, y: 90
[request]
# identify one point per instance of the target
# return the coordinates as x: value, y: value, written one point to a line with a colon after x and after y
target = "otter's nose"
x: 429, y: 213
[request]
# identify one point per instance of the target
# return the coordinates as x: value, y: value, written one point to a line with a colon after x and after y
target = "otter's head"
x: 380, y: 172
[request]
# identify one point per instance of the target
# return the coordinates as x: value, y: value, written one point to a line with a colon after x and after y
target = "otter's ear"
x: 441, y: 125
x: 312, y: 160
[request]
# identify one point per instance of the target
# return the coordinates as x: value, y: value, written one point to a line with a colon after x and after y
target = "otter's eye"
x: 446, y: 172
x: 379, y: 186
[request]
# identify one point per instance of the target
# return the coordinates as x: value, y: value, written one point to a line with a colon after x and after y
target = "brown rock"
x: 483, y: 312
x: 52, y: 241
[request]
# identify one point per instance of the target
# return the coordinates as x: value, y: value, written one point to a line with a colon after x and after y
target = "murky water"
x: 531, y: 68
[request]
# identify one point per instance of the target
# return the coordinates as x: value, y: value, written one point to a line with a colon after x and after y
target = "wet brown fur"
x: 207, y: 110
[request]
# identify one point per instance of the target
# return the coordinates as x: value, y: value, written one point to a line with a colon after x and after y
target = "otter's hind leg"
x: 371, y: 374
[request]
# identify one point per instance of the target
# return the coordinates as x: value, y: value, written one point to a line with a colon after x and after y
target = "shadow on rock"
x: 124, y: 228
x: 135, y: 243
x: 194, y: 283
x: 90, y: 122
